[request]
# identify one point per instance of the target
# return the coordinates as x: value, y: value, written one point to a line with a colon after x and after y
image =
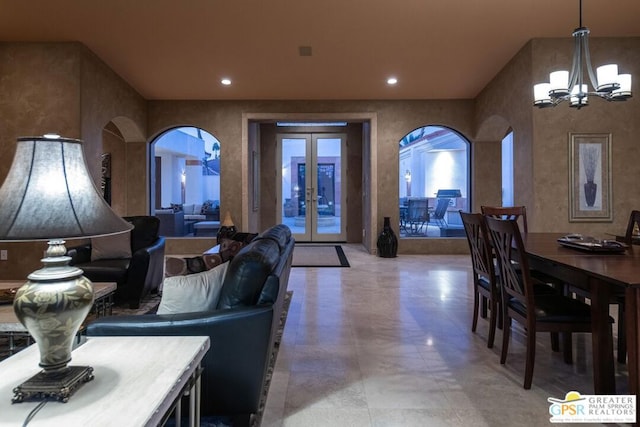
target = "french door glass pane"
x: 328, y: 173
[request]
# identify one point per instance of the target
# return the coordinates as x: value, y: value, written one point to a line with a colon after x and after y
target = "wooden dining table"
x: 601, y: 274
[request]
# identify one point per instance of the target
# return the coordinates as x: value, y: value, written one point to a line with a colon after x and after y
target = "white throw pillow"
x: 111, y: 247
x: 193, y: 292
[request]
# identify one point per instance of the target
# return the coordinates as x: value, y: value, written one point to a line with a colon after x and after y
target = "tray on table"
x: 591, y: 244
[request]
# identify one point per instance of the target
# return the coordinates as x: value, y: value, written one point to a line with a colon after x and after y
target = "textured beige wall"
x: 137, y: 178
x: 551, y: 140
x: 106, y: 98
x: 268, y: 173
x: 486, y: 175
x: 114, y: 144
x: 354, y: 182
x: 394, y: 120
x: 39, y: 93
x: 506, y: 103
x: 63, y: 88
x: 541, y: 137
x: 39, y: 89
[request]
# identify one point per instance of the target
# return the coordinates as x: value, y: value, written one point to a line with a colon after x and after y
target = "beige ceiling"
x: 180, y: 49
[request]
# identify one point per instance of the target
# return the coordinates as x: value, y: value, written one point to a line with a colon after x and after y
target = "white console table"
x: 138, y: 381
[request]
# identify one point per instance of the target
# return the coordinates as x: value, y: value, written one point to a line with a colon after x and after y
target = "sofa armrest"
x: 145, y: 271
x: 156, y: 265
x: 157, y: 247
x: 235, y: 366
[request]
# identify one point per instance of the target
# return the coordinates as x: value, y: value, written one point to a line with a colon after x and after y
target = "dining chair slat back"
x: 633, y: 227
x: 507, y: 212
x: 537, y: 312
x: 486, y: 291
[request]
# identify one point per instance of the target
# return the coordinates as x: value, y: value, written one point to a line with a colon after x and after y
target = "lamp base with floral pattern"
x: 52, y: 306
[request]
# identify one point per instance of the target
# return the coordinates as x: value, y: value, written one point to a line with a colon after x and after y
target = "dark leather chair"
x: 242, y: 329
x: 555, y: 313
x: 136, y: 276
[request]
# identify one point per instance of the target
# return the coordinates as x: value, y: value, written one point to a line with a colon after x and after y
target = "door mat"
x: 319, y: 256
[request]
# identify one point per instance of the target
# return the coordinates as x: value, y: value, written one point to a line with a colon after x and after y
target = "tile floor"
x: 388, y: 342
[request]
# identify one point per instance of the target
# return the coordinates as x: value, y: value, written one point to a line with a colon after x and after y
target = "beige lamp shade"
x: 49, y: 193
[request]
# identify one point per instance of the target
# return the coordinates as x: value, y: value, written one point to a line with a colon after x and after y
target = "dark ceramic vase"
x: 387, y: 241
x: 590, y: 189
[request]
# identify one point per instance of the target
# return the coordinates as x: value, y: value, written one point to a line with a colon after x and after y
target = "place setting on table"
x: 592, y: 244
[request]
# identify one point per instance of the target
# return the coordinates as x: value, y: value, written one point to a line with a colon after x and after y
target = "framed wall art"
x: 590, y: 198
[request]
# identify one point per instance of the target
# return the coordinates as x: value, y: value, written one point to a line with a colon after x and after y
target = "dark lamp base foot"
x: 53, y: 386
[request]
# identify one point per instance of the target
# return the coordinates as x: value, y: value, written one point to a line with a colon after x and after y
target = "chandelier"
x: 572, y: 86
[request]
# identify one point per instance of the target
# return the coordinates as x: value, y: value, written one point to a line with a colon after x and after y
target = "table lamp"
x: 49, y: 195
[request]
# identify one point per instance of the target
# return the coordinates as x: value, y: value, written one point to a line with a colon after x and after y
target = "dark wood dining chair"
x: 486, y: 291
x: 519, y: 214
x: 555, y: 313
x: 618, y: 297
x: 634, y: 224
x: 507, y: 212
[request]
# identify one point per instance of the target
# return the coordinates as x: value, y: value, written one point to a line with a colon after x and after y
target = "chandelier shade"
x: 572, y: 85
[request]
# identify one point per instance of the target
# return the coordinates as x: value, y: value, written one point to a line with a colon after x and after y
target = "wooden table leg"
x: 632, y: 319
x: 604, y: 381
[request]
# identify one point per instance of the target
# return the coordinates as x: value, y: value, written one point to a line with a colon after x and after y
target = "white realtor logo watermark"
x: 597, y: 408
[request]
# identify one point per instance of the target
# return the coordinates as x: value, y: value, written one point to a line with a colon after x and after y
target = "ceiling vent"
x: 305, y: 50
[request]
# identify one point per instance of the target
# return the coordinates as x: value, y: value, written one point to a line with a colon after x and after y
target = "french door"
x: 312, y: 186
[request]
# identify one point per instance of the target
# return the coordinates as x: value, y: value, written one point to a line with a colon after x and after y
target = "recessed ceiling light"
x: 392, y: 81
x: 226, y: 82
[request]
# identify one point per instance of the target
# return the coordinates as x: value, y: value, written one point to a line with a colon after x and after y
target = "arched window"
x: 434, y: 182
x: 185, y: 178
